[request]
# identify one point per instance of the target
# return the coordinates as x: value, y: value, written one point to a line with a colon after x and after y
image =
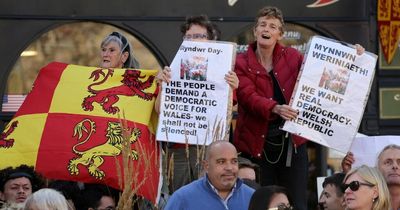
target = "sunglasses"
x: 354, y: 186
x: 282, y: 207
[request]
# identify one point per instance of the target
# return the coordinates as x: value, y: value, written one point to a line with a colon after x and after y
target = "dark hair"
x: 93, y: 193
x: 251, y: 183
x: 270, y: 12
x: 69, y: 189
x: 216, y: 32
x: 18, y: 172
x: 335, y: 180
x: 246, y: 163
x: 262, y: 197
x: 131, y: 62
x: 213, y: 32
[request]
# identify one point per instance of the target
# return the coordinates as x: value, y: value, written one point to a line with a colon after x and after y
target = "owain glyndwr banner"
x: 69, y: 126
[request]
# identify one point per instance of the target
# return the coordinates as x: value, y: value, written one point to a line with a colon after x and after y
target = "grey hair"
x: 47, y: 199
x: 390, y: 146
x: 125, y: 46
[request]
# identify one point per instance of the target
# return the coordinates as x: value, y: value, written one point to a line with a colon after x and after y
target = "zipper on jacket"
x: 273, y: 72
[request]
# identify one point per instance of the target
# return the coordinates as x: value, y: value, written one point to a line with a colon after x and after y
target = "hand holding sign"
x: 197, y: 94
x: 285, y: 111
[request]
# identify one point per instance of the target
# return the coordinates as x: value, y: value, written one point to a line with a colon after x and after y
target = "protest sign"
x: 331, y: 93
x: 194, y: 105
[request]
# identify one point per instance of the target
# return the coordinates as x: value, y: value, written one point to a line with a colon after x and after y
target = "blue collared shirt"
x: 224, y: 201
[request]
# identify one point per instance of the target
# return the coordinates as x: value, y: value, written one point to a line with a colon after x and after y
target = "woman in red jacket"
x: 267, y: 73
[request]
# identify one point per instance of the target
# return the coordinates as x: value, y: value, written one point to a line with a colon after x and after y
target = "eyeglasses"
x: 282, y: 207
x: 355, y: 185
x: 195, y: 36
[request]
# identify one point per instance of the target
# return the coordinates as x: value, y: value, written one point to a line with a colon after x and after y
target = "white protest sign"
x: 366, y: 149
x: 320, y: 188
x: 195, y: 103
x: 331, y: 93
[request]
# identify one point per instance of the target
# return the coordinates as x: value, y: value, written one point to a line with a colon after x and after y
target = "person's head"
x: 198, y: 28
x: 16, y: 184
x: 365, y: 188
x: 46, y: 199
x: 389, y: 164
x: 332, y: 196
x: 247, y: 173
x: 69, y: 189
x: 270, y: 197
x: 251, y: 183
x: 221, y: 165
x: 99, y: 197
x: 116, y: 52
x: 247, y: 169
x: 268, y: 27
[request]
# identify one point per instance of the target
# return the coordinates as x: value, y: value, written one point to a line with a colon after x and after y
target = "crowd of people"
x: 23, y: 188
x: 271, y: 171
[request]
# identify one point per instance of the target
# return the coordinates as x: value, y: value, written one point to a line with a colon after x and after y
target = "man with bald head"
x: 220, y: 188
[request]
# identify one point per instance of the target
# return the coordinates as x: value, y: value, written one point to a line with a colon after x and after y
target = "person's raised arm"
x: 163, y: 76
x: 347, y: 162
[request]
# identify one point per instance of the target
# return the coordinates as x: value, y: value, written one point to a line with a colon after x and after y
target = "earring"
x: 373, y: 200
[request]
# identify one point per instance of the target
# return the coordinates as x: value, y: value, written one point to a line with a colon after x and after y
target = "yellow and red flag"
x: 389, y: 27
x: 69, y: 126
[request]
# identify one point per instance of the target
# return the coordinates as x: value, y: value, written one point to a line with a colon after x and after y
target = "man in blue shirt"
x: 220, y: 188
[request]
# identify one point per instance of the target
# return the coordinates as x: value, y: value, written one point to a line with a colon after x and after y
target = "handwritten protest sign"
x: 331, y: 93
x: 195, y: 103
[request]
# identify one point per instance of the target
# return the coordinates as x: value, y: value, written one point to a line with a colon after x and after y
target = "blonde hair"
x: 47, y: 199
x: 372, y: 176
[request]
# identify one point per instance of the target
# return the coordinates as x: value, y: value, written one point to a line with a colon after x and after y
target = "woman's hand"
x: 164, y: 75
x: 347, y: 161
x: 285, y: 111
x: 360, y: 49
x: 232, y: 79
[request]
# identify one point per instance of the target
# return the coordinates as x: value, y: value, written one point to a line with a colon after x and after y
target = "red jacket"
x: 255, y: 95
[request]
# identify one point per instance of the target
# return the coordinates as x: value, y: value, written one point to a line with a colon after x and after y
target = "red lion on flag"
x: 7, y: 143
x: 131, y: 86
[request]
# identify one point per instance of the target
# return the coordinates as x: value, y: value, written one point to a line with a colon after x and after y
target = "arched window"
x: 73, y: 43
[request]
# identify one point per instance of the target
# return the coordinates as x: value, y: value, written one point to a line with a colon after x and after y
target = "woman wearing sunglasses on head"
x: 365, y: 189
x: 270, y: 198
x: 116, y: 52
